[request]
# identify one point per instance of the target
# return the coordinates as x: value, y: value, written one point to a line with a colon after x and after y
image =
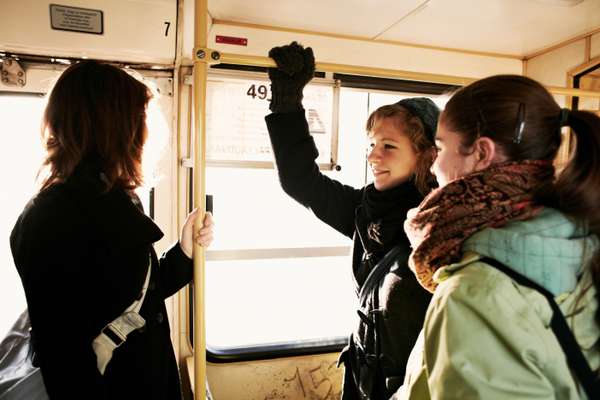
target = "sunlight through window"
x: 20, y: 159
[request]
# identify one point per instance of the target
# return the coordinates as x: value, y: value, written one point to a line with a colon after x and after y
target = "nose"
x: 373, y: 154
x: 433, y: 167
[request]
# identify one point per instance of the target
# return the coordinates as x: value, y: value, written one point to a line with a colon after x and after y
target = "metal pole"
x: 257, y: 61
x: 200, y: 70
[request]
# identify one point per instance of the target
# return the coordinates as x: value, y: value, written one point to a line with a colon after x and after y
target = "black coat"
x: 82, y: 255
x: 401, y: 297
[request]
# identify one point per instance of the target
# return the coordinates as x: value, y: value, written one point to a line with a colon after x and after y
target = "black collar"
x: 113, y: 212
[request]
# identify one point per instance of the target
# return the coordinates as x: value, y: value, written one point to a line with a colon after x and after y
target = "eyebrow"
x: 387, y: 139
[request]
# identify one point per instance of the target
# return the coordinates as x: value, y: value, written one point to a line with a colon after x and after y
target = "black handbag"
x: 19, y: 377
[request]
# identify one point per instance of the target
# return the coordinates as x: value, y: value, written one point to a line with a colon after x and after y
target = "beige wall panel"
x: 299, y: 378
x: 134, y: 30
x: 595, y: 47
x: 363, y: 53
x: 590, y: 82
x: 551, y: 68
x: 39, y: 78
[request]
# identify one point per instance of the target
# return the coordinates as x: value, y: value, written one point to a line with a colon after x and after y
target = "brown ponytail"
x: 578, y: 186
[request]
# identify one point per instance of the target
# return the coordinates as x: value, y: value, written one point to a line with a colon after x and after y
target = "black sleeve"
x: 176, y: 270
x: 48, y: 256
x: 295, y: 154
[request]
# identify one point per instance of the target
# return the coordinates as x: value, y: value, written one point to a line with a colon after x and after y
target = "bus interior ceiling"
x: 279, y: 301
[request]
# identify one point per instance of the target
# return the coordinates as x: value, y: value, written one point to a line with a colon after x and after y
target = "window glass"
x: 278, y: 300
x: 269, y: 279
x: 307, y: 295
x: 253, y: 212
x: 275, y: 300
x: 20, y: 159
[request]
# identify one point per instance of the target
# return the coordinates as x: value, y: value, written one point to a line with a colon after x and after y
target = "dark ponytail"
x: 577, y: 188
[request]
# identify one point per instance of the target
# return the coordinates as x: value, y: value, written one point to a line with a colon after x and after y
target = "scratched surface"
x: 308, y: 377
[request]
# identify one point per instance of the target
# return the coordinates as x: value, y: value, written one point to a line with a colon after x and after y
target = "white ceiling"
x: 515, y: 27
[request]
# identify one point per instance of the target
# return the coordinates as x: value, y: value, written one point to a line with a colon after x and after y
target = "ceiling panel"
x: 517, y: 27
x: 504, y: 26
x: 351, y: 17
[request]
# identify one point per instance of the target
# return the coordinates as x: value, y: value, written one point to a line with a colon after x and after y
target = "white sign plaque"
x: 235, y: 119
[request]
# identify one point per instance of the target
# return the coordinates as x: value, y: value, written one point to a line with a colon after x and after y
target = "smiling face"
x: 391, y: 155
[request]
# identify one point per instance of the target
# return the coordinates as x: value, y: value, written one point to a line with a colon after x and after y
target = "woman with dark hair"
x: 509, y: 250
x: 95, y: 288
x: 392, y: 304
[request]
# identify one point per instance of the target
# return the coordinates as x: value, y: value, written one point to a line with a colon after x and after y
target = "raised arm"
x: 294, y: 148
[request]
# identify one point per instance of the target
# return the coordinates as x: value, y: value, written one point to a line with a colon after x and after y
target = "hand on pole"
x: 202, y: 236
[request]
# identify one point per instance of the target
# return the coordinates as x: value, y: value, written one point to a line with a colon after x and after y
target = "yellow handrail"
x: 257, y: 61
x: 200, y: 70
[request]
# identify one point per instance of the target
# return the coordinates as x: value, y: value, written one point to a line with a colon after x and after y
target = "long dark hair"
x: 413, y: 127
x: 98, y: 111
x: 525, y: 121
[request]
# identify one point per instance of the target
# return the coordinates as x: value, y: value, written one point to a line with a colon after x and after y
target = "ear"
x: 485, y: 152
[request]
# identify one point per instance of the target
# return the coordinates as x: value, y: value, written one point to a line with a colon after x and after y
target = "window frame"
x: 301, y: 347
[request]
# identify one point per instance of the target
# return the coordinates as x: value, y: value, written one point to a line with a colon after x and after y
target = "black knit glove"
x: 295, y: 68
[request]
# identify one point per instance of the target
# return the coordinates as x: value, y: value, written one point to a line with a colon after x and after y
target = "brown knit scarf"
x: 487, y: 198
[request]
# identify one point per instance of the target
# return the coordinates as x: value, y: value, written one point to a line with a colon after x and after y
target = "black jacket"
x: 403, y: 301
x: 82, y: 255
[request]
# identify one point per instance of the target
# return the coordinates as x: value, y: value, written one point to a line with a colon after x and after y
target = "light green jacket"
x: 487, y: 337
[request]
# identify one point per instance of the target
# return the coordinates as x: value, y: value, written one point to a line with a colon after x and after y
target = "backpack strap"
x: 575, y: 358
x: 378, y: 272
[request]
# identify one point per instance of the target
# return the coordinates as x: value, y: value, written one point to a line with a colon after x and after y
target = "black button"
x: 160, y: 318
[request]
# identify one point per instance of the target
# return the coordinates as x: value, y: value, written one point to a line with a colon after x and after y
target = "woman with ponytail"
x: 509, y: 250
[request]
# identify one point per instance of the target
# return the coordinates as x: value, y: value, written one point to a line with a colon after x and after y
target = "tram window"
x: 275, y: 273
x: 20, y: 159
x: 266, y: 282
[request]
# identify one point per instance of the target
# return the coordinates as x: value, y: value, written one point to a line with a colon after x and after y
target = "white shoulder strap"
x: 115, y: 333
x: 136, y: 305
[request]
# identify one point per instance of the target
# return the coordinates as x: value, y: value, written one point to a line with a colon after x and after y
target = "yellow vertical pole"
x: 200, y: 70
